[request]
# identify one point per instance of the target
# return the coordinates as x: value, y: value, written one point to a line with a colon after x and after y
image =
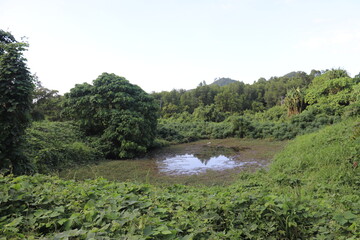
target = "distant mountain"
x: 290, y: 74
x: 223, y: 81
x: 296, y: 74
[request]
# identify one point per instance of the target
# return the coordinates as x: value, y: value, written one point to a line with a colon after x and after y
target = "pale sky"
x: 173, y: 44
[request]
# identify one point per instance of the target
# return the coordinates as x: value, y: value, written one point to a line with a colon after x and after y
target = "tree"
x: 120, y: 114
x: 16, y: 87
x: 46, y: 103
x: 231, y: 99
x: 209, y: 113
x: 294, y: 101
x: 315, y: 73
x: 329, y: 83
x: 188, y: 101
x: 357, y: 77
x: 205, y: 94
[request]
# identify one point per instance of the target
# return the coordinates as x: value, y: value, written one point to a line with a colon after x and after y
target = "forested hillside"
x: 309, y: 191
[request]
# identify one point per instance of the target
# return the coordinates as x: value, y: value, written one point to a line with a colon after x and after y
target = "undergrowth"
x: 52, y: 146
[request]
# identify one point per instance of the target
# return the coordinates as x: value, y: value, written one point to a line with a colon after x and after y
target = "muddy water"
x: 194, y: 160
x: 190, y: 164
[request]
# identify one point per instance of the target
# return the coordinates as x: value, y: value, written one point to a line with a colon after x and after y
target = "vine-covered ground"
x: 311, y: 191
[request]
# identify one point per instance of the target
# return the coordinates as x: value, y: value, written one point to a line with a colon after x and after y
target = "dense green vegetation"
x: 15, y: 98
x: 53, y: 146
x: 235, y: 97
x: 310, y: 191
x: 280, y: 108
x: 46, y: 103
x: 120, y: 114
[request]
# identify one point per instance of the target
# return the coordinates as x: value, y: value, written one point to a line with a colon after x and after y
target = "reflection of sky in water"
x: 189, y: 164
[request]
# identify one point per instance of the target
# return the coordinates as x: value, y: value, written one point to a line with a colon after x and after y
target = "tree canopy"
x: 121, y: 114
x: 233, y: 96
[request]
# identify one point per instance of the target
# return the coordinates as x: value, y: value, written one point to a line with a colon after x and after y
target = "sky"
x: 162, y: 45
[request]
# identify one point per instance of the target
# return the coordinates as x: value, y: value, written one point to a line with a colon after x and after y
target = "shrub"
x: 52, y: 146
x: 241, y: 126
x: 178, y: 132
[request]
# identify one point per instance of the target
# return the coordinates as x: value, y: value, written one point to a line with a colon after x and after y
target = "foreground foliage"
x: 300, y: 197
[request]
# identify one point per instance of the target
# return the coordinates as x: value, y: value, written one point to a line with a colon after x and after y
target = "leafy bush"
x: 209, y: 114
x: 333, y: 90
x: 52, y: 146
x: 241, y: 126
x: 310, y: 120
x: 274, y: 114
x: 178, y: 132
x: 120, y: 114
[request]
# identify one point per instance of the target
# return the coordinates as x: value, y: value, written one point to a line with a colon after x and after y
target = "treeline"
x: 235, y: 97
x: 225, y: 96
x: 279, y: 108
x: 277, y: 98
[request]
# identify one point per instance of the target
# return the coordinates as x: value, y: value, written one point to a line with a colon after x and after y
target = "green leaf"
x: 62, y: 221
x: 340, y: 219
x: 349, y: 215
x: 15, y: 222
x: 166, y: 232
x: 160, y: 210
x: 187, y: 237
x: 147, y: 231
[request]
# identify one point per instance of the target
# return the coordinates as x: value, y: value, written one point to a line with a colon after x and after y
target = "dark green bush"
x: 220, y: 130
x: 241, y: 126
x: 274, y: 114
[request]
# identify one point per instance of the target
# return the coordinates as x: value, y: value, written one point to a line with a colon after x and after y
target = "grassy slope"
x: 326, y: 156
x: 310, y: 191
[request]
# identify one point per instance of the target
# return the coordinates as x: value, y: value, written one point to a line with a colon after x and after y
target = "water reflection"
x: 192, y: 164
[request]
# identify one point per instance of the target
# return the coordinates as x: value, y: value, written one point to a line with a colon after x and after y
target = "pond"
x: 208, y: 158
x: 190, y: 164
x: 209, y: 162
